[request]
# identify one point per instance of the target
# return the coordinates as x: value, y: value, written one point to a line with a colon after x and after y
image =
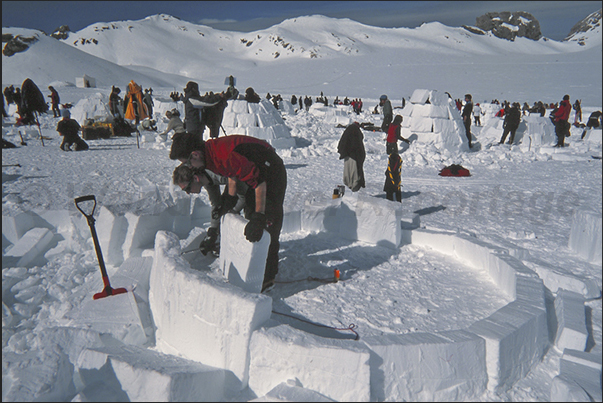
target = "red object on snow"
x: 454, y: 170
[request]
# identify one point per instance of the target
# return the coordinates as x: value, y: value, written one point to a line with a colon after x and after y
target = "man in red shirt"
x: 239, y: 158
x: 560, y: 119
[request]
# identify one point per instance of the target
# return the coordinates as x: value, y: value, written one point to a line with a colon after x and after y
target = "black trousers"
x: 276, y: 185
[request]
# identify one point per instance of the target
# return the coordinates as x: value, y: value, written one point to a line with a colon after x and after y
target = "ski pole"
x: 108, y: 290
x: 23, y: 143
x: 39, y: 129
x: 12, y: 165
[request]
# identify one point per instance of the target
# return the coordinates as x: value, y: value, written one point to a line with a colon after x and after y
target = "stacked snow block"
x: 292, y: 391
x: 242, y: 262
x: 128, y: 235
x: 446, y: 366
x: 433, y: 119
x: 117, y: 315
x: 31, y: 245
x: 579, y: 378
x: 260, y: 120
x: 332, y: 115
x: 585, y: 235
x: 201, y: 318
x: 593, y: 136
x: 516, y: 335
x: 571, y: 321
x: 355, y: 217
x: 337, y: 369
x: 129, y: 373
x: 291, y: 222
x: 539, y: 132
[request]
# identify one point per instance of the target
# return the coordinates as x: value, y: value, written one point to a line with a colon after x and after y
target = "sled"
x: 454, y: 170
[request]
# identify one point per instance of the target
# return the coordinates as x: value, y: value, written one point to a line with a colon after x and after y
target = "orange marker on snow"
x: 336, y: 272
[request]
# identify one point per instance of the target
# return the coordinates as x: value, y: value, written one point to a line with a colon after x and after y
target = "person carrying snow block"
x: 560, y: 119
x: 388, y: 112
x: 69, y: 128
x: 512, y: 120
x: 393, y: 135
x: 211, y: 183
x: 393, y: 177
x: 249, y: 160
x: 351, y: 151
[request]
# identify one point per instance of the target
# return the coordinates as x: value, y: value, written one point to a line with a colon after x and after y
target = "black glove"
x: 209, y: 242
x: 255, y: 227
x: 227, y: 203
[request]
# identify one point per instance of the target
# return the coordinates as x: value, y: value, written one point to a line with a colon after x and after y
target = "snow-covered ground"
x: 536, y: 208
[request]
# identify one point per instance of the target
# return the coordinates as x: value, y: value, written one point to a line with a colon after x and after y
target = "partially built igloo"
x: 260, y: 120
x: 431, y: 118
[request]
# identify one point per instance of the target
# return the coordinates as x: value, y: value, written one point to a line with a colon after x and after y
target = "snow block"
x: 594, y: 136
x: 291, y: 222
x: 31, y: 245
x: 239, y: 106
x: 321, y: 215
x: 14, y: 227
x: 201, y: 318
x: 565, y: 389
x: 111, y: 229
x: 571, y: 321
x: 584, y: 369
x: 337, y: 369
x: 447, y: 366
x: 355, y: 217
x: 585, y: 235
x: 440, y: 241
x: 117, y: 315
x: 516, y: 339
x: 290, y: 392
x: 246, y: 120
x: 430, y: 111
x: 146, y: 375
x: 242, y: 262
x: 42, y: 374
x: 376, y: 221
x: 419, y: 96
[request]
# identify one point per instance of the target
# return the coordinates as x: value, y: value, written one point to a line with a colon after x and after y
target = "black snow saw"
x: 108, y: 290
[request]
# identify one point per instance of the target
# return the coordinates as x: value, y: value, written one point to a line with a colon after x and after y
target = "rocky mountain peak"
x: 509, y: 25
x: 590, y: 23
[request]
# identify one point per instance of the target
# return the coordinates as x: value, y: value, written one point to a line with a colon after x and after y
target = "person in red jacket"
x: 560, y: 119
x: 245, y: 159
x: 54, y: 100
x: 393, y: 135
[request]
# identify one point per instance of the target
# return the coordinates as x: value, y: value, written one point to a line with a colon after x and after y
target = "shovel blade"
x: 108, y: 291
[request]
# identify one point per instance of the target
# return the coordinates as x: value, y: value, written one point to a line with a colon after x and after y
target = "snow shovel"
x: 108, y: 290
x: 23, y: 143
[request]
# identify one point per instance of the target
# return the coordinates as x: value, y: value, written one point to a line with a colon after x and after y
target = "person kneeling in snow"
x: 69, y: 128
x: 249, y: 160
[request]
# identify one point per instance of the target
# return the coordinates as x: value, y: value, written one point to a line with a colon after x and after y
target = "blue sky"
x: 556, y: 17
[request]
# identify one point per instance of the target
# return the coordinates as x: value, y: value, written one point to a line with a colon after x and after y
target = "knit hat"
x: 383, y: 97
x: 66, y: 114
x: 183, y: 144
x: 566, y: 98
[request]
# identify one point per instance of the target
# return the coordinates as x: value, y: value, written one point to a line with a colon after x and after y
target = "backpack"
x: 32, y: 98
x: 454, y: 170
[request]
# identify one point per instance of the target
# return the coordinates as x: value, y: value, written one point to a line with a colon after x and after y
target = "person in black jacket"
x: 194, y: 103
x: 512, y: 119
x: 351, y: 151
x: 69, y: 128
x: 466, y: 115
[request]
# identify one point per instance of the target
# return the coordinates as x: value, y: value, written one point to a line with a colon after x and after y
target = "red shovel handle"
x: 107, y: 291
